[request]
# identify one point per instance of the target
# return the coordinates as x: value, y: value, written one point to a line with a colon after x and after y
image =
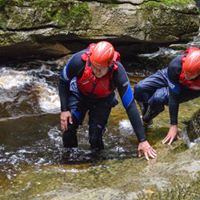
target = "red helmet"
x: 102, y: 54
x: 191, y: 64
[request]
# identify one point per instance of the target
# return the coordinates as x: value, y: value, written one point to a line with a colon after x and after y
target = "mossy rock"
x: 162, y: 18
x: 169, y: 3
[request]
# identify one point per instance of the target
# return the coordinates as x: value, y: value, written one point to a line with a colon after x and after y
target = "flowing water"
x: 34, y: 165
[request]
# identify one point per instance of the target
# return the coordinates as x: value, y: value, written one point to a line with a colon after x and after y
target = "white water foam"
x: 125, y: 127
x: 55, y: 136
x: 47, y: 95
x: 13, y: 79
x: 48, y: 98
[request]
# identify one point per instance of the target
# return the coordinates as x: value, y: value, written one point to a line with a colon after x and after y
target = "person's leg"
x: 98, y: 117
x: 156, y: 104
x: 78, y: 111
x: 145, y: 89
x: 161, y: 97
x: 69, y: 136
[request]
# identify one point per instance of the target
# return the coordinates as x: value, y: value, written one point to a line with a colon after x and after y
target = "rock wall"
x: 59, y: 27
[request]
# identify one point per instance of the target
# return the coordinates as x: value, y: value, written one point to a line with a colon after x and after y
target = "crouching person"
x: 177, y: 83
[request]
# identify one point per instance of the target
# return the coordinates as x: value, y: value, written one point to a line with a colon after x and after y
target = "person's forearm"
x: 63, y: 94
x: 136, y: 122
x: 173, y: 109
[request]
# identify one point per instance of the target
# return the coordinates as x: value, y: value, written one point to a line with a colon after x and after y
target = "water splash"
x: 13, y: 79
x: 48, y: 98
x: 36, y: 88
x: 125, y: 127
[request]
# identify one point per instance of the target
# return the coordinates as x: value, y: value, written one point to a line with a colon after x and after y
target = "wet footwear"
x: 144, y: 109
x: 148, y: 124
x: 150, y: 114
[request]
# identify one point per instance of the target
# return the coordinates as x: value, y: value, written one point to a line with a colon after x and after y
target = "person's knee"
x: 157, y: 101
x: 138, y: 91
x: 137, y: 88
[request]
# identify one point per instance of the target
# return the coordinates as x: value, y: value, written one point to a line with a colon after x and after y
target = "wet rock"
x: 135, y: 21
x: 193, y: 128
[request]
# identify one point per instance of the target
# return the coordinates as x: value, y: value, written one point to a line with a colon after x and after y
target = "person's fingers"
x: 146, y: 155
x: 70, y: 120
x: 63, y: 128
x: 139, y: 153
x: 171, y: 140
x: 63, y: 124
x: 152, y: 154
x: 154, y: 151
x: 155, y: 154
x: 165, y: 140
x: 66, y: 125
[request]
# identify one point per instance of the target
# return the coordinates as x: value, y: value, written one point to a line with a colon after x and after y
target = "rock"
x: 133, y: 22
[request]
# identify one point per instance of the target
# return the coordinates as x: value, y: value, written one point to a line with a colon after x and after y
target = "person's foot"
x: 148, y: 124
x: 70, y: 154
x: 150, y: 114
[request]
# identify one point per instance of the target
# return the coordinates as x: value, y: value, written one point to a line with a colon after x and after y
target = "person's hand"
x: 144, y: 148
x: 65, y: 118
x: 171, y: 135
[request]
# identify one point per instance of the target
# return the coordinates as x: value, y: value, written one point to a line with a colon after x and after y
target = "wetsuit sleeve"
x: 174, y: 70
x: 74, y: 67
x: 173, y: 108
x: 122, y: 83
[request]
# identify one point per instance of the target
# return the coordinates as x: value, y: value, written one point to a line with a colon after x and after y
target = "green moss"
x: 76, y: 14
x: 168, y: 3
x: 65, y: 13
x: 177, y: 2
x: 180, y: 147
x: 46, y: 3
x: 3, y: 4
x: 156, y: 134
x: 109, y: 1
x: 3, y: 21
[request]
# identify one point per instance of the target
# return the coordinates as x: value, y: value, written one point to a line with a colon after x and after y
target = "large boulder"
x: 37, y: 22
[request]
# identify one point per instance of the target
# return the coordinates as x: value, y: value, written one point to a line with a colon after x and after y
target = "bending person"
x: 87, y: 84
x: 177, y: 83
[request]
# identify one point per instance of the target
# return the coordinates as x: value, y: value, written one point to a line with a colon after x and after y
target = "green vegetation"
x: 65, y: 13
x: 78, y: 13
x: 2, y: 4
x: 179, y: 191
x: 177, y: 2
x: 62, y: 12
x: 3, y: 22
x: 168, y: 3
